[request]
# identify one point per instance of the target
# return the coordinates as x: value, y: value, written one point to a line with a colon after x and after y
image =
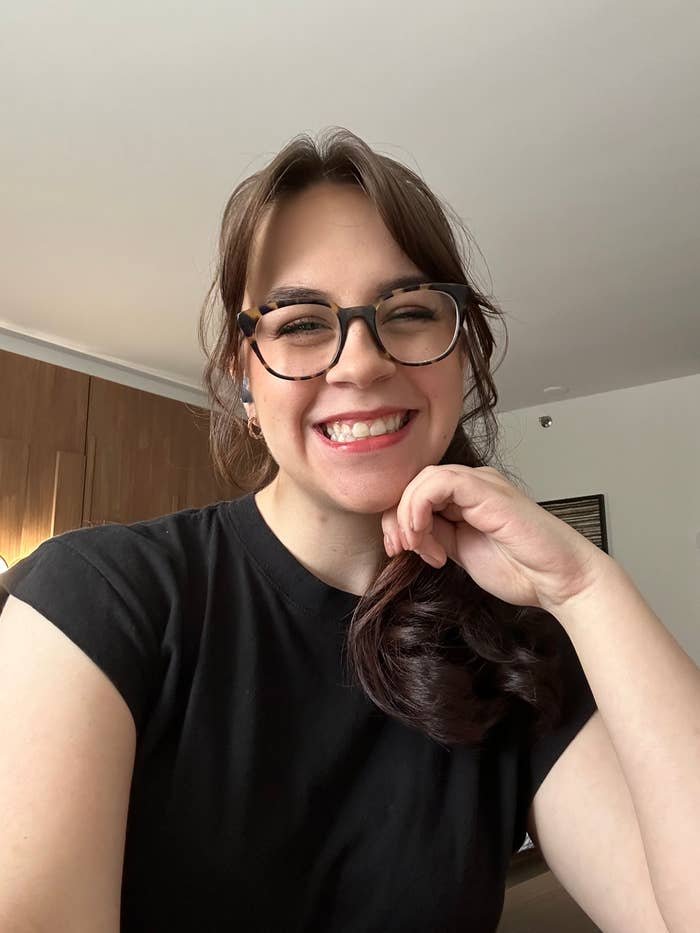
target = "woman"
x: 338, y: 704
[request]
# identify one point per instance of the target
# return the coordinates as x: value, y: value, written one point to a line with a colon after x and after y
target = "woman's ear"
x: 246, y: 397
x: 234, y: 367
x: 246, y: 394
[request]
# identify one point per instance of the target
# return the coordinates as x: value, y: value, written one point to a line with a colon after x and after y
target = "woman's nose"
x: 361, y: 361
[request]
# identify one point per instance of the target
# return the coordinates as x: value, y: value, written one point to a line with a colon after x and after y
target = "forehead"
x: 330, y: 237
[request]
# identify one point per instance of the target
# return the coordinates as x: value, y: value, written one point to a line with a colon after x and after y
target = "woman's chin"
x: 370, y: 499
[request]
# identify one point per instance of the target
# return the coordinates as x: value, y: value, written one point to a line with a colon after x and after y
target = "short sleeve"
x: 539, y: 756
x: 108, y: 591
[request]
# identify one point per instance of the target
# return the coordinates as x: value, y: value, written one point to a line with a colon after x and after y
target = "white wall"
x: 640, y: 447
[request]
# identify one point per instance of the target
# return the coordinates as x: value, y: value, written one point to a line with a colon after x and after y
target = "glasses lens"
x: 418, y: 327
x: 299, y: 340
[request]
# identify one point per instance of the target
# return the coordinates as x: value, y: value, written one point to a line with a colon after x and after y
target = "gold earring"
x: 254, y: 429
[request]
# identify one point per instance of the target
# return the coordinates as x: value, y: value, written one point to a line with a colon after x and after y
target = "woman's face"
x: 330, y: 238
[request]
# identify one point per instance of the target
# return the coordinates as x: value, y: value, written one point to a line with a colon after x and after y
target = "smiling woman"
x: 323, y: 395
x: 336, y: 696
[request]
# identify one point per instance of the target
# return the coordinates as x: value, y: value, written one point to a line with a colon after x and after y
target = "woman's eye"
x: 412, y: 314
x: 301, y: 327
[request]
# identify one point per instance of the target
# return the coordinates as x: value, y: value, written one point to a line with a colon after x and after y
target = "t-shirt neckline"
x: 282, y: 568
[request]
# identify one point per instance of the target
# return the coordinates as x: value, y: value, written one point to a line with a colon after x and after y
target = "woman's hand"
x: 509, y: 545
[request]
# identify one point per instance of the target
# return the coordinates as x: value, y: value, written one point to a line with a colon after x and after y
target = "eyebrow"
x: 299, y: 292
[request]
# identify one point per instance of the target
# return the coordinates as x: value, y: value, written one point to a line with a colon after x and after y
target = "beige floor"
x: 541, y: 905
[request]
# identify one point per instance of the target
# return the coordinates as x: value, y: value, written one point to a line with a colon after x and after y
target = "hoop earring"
x: 254, y: 429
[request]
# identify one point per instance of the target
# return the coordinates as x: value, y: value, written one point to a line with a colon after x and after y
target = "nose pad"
x: 368, y: 339
x: 361, y: 356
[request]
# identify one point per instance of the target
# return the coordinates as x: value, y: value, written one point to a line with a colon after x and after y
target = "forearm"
x: 648, y: 693
x: 22, y: 919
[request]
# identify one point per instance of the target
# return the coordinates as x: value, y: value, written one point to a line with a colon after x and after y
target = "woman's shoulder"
x: 167, y: 538
x: 146, y: 561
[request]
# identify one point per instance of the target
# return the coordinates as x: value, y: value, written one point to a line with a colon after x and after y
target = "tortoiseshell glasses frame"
x: 247, y: 321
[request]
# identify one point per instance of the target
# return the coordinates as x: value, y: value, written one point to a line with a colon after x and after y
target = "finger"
x: 396, y: 532
x: 402, y: 511
x: 390, y: 527
x: 445, y: 536
x: 430, y: 491
x: 479, y: 500
x: 394, y: 542
x: 433, y: 560
x: 432, y: 551
x: 440, y: 545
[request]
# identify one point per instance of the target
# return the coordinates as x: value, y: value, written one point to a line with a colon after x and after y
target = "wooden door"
x: 146, y: 456
x: 43, y: 416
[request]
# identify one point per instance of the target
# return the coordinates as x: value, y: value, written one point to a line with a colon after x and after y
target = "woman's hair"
x: 428, y: 646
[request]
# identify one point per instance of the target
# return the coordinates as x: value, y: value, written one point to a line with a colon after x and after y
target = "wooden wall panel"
x: 146, y: 456
x: 76, y: 450
x: 45, y: 410
x: 69, y: 480
x: 43, y: 402
x: 14, y: 466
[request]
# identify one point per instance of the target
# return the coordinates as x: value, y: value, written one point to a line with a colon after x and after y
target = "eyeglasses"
x: 414, y: 326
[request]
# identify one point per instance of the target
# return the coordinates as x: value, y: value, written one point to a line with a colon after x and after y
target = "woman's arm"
x: 67, y: 746
x: 646, y: 687
x: 648, y: 694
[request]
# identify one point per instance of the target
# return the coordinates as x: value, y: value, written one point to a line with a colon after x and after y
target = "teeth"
x: 344, y: 433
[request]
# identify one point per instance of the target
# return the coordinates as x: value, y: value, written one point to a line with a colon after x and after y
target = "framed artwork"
x: 584, y: 513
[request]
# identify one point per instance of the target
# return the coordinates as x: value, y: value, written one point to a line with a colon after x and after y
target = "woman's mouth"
x: 348, y: 432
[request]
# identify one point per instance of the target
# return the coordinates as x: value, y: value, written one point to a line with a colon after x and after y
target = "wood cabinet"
x: 146, y: 456
x: 76, y: 450
x: 43, y: 415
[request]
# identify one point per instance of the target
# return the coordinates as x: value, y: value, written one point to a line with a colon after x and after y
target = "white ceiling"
x: 566, y: 134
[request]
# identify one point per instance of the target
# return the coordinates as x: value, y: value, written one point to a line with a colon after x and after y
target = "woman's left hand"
x: 509, y: 545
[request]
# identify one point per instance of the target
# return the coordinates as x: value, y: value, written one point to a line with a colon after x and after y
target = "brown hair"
x: 429, y: 647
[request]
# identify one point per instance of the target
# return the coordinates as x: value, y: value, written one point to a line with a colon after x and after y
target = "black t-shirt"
x: 269, y: 794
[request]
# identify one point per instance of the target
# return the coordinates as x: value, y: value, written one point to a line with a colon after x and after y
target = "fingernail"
x: 428, y: 558
x: 388, y: 546
x: 403, y: 539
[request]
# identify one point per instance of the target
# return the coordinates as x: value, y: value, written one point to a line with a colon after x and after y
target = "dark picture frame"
x: 586, y: 514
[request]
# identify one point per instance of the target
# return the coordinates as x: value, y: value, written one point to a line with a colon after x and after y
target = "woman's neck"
x: 344, y: 549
